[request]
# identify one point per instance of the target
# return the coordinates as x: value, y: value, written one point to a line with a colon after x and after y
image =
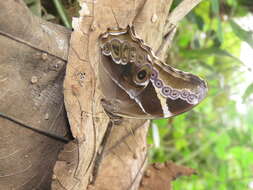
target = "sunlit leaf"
x: 221, y: 146
x: 181, y: 143
x: 184, y: 39
x: 248, y: 92
x: 220, y: 31
x: 241, y: 33
x: 161, y: 122
x: 232, y: 3
x: 223, y: 172
x: 204, y: 52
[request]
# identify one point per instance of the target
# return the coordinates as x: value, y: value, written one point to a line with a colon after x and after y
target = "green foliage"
x: 248, y: 92
x: 242, y: 34
x: 62, y: 13
x: 56, y: 7
x: 216, y: 137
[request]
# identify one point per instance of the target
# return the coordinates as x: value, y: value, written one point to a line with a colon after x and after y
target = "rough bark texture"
x: 120, y: 167
x: 32, y: 65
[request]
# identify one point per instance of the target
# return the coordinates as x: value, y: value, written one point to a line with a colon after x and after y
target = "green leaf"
x: 196, y: 19
x: 247, y: 92
x: 232, y: 3
x: 221, y: 99
x: 241, y: 33
x: 184, y: 39
x: 223, y: 172
x: 207, y: 52
x: 181, y: 143
x: 161, y: 122
x: 62, y: 13
x: 215, y: 7
x: 221, y: 146
x: 220, y: 31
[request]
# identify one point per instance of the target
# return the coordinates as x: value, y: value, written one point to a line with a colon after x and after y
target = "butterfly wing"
x: 177, y: 91
x: 137, y: 84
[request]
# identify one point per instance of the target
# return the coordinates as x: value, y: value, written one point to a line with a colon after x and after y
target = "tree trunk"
x: 102, y: 155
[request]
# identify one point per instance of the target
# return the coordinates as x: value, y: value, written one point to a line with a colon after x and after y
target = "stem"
x: 62, y: 13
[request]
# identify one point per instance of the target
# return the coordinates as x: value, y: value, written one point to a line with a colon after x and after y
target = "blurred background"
x: 214, y: 41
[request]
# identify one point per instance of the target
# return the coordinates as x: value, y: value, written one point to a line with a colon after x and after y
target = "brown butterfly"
x: 137, y: 84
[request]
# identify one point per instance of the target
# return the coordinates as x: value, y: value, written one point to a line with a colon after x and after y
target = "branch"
x: 171, y: 25
x: 181, y: 11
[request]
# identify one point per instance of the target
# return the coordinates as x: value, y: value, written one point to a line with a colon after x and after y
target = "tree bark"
x: 32, y: 66
x: 124, y: 156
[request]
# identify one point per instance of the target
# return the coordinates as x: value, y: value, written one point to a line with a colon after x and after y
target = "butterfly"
x: 136, y: 84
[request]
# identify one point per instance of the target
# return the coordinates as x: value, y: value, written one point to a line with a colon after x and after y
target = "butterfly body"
x: 137, y: 84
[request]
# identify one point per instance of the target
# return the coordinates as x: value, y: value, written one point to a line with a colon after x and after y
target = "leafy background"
x: 216, y: 137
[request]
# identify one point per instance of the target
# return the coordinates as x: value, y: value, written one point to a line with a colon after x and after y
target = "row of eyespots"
x: 106, y: 50
x: 127, y: 53
x: 171, y: 92
x: 134, y: 37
